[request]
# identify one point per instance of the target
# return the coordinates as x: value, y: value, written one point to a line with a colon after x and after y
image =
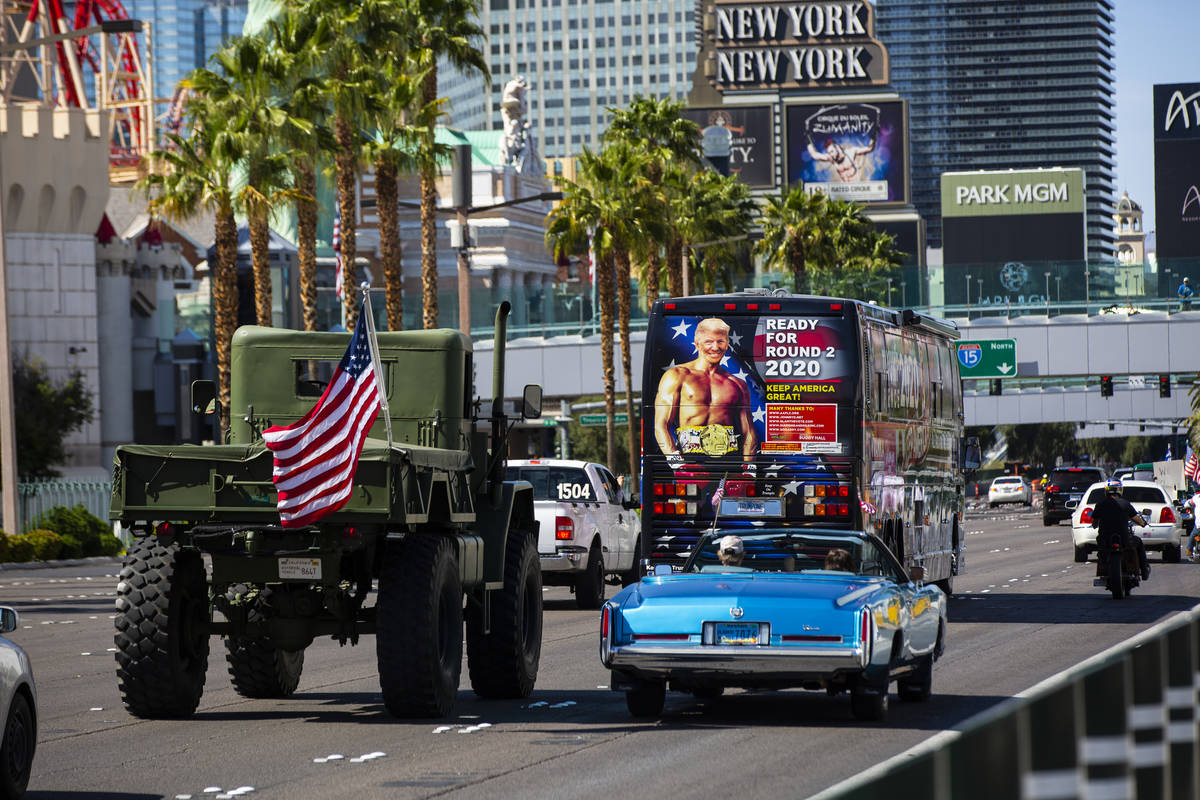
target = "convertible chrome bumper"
x: 676, y: 661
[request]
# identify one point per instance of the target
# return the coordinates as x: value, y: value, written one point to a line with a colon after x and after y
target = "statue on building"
x: 518, y: 147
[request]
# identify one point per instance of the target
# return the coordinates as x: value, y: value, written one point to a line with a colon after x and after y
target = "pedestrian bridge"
x: 1059, y: 361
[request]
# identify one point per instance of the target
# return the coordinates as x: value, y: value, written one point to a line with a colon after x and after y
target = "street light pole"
x: 8, y: 427
x: 968, y: 295
x: 889, y: 281
x: 1047, y: 293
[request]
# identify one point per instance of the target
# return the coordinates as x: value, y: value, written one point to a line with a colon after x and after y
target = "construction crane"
x: 90, y: 61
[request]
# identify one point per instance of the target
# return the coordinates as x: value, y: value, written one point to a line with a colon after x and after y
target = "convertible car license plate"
x: 737, y: 633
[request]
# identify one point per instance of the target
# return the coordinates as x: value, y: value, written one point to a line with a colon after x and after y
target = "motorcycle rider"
x: 1111, y: 517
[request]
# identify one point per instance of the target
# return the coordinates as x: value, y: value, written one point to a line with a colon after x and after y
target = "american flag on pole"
x: 315, y: 457
x: 719, y: 495
x: 339, y: 274
x: 1191, y: 467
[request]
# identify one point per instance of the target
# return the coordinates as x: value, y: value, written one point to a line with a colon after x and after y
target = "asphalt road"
x: 1022, y: 612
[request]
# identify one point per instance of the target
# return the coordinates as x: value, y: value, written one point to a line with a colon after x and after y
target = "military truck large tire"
x: 161, y: 630
x: 419, y: 626
x: 504, y: 663
x: 259, y: 669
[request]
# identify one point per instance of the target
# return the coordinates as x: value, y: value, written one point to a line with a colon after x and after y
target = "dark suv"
x: 1067, y: 483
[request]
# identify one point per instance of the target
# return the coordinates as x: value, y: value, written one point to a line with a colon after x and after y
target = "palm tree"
x: 196, y: 173
x: 298, y: 43
x: 399, y: 147
x: 439, y: 29
x: 246, y: 91
x: 579, y: 221
x: 796, y: 233
x: 656, y: 129
x: 353, y: 35
x: 718, y: 211
x: 607, y: 203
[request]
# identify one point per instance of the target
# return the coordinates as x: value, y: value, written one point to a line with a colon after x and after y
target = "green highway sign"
x: 987, y: 358
x: 594, y: 420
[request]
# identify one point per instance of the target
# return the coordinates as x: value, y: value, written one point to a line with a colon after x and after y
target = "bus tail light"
x: 564, y: 528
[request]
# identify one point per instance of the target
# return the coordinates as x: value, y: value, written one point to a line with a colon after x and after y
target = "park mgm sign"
x: 747, y: 46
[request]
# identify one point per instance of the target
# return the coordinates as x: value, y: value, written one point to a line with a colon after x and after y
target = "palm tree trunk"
x: 223, y: 278
x: 798, y: 271
x: 429, y: 276
x: 604, y: 285
x: 306, y: 244
x: 675, y: 265
x: 347, y: 178
x: 260, y: 259
x: 623, y: 312
x: 650, y: 284
x: 389, y: 241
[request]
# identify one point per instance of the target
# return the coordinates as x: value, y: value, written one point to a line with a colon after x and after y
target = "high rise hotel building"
x: 1006, y: 85
x: 579, y: 57
x: 185, y: 33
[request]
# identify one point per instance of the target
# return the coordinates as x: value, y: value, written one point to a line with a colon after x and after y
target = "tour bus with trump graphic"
x: 764, y: 408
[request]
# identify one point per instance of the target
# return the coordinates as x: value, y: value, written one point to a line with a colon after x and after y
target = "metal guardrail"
x: 35, y: 498
x: 1123, y: 724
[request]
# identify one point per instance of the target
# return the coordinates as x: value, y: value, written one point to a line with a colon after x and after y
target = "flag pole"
x: 719, y: 497
x: 376, y: 364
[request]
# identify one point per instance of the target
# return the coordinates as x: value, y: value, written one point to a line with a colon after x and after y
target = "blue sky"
x: 1158, y: 41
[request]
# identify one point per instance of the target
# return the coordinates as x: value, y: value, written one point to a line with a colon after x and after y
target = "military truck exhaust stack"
x: 430, y: 522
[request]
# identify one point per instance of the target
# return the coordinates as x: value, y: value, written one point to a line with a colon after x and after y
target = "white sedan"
x: 1163, y: 531
x: 18, y: 707
x: 1010, y: 489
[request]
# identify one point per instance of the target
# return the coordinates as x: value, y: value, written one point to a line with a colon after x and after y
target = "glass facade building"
x: 579, y: 58
x: 185, y: 33
x: 1006, y: 85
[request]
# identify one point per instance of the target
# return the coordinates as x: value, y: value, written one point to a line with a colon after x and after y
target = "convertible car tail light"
x: 1166, y: 515
x: 604, y: 621
x: 564, y: 528
x: 1086, y: 517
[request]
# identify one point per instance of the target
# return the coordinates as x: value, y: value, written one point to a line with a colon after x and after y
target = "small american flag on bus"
x: 719, y: 495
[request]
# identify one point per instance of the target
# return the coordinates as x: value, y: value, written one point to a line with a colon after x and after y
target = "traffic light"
x: 1106, y: 385
x: 1164, y: 385
x: 994, y: 388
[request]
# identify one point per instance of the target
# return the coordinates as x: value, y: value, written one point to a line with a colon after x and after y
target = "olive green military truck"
x: 431, y: 525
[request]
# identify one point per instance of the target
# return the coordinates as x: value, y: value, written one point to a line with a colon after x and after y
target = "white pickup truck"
x: 588, y: 530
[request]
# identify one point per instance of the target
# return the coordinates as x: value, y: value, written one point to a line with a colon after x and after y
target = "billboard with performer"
x: 850, y: 151
x: 738, y: 140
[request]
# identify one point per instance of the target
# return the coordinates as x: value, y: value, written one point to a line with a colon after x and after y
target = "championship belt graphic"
x: 712, y: 439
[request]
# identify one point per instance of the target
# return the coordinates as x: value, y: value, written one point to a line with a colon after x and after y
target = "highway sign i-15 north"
x: 987, y: 358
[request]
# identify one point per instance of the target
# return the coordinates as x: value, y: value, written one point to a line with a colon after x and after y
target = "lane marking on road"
x: 369, y: 756
x: 328, y: 758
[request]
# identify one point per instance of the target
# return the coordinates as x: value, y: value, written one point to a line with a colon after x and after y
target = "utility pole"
x: 461, y: 199
x: 8, y: 427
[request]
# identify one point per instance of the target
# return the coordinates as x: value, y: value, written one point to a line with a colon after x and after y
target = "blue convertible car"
x: 780, y: 619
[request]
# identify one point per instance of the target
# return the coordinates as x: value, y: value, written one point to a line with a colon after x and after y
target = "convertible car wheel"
x: 646, y: 700
x: 869, y: 703
x: 918, y: 685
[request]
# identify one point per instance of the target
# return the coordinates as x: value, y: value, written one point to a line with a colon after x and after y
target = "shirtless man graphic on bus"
x: 701, y: 409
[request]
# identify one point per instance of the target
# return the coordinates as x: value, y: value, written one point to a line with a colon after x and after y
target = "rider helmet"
x: 1113, y: 486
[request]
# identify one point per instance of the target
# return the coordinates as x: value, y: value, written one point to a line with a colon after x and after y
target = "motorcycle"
x: 1122, y: 571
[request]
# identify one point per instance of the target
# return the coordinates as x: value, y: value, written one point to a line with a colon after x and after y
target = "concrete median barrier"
x: 1123, y: 724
